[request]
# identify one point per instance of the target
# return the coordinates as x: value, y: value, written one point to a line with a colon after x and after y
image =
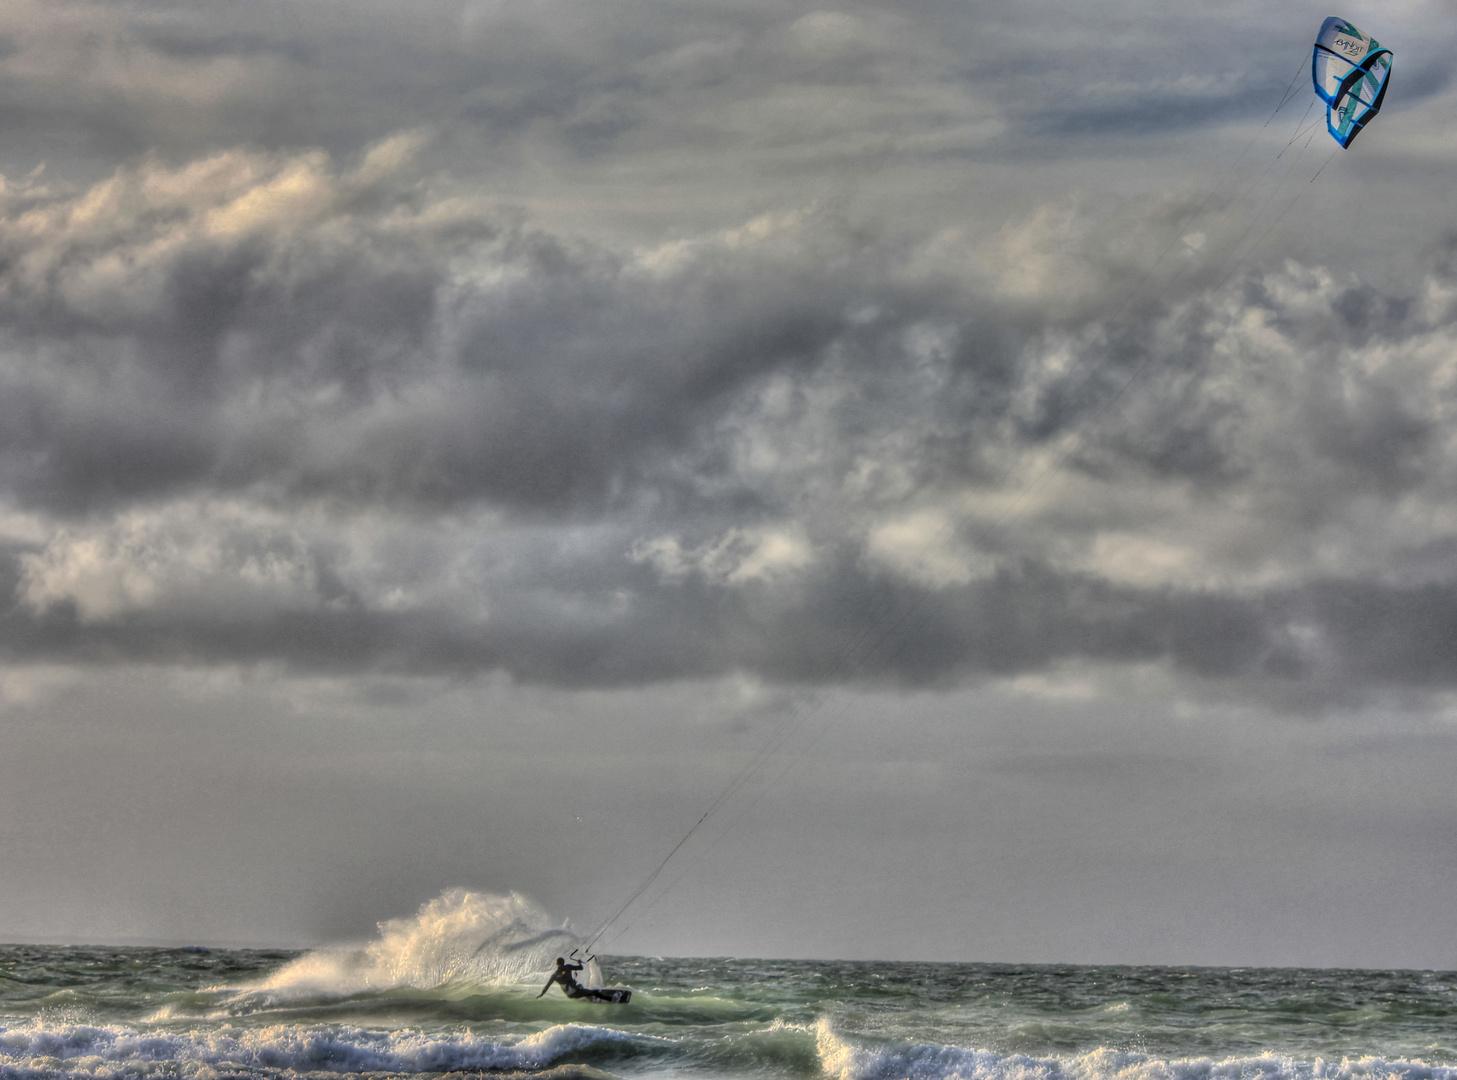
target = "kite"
x: 1349, y: 70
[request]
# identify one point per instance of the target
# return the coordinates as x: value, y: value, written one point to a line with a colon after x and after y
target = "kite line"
x: 875, y: 633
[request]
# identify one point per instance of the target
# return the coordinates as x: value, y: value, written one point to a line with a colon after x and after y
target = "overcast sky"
x: 441, y: 444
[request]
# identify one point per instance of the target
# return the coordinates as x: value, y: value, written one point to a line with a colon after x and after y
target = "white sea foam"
x: 109, y: 1050
x: 56, y: 1051
x: 845, y: 1059
x: 458, y: 937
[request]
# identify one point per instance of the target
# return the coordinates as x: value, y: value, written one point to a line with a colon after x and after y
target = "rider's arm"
x: 547, y: 987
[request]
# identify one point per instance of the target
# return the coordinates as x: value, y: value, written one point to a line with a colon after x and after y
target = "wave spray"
x: 460, y: 938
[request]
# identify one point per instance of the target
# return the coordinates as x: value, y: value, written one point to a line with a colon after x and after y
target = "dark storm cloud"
x: 187, y: 349
x: 1330, y: 642
x: 335, y: 408
x: 259, y: 325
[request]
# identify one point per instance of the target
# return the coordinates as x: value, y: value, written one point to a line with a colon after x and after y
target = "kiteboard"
x: 618, y: 995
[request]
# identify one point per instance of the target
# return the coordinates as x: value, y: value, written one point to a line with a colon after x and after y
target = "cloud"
x: 227, y: 562
x: 306, y: 375
x: 675, y: 87
x: 737, y: 557
x: 922, y: 546
x: 265, y: 407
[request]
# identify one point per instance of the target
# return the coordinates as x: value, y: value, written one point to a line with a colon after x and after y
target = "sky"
x: 999, y: 447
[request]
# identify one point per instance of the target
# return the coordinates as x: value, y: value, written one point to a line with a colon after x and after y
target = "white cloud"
x: 923, y: 547
x: 227, y: 558
x: 738, y: 557
x: 107, y: 252
x: 1038, y: 259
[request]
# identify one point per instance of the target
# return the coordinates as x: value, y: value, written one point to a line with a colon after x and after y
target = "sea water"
x: 453, y: 990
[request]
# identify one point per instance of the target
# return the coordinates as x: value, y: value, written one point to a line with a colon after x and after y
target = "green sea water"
x: 105, y: 1012
x: 454, y: 990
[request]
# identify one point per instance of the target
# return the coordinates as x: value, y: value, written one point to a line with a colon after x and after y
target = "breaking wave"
x: 453, y: 989
x: 113, y: 1051
x: 65, y: 1051
x: 843, y: 1059
x: 458, y: 938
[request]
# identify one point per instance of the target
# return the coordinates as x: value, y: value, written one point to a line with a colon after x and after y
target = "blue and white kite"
x: 1350, y: 70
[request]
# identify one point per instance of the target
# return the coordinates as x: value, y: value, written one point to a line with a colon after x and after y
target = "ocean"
x: 453, y: 990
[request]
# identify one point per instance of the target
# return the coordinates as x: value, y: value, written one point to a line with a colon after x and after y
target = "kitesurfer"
x: 570, y: 986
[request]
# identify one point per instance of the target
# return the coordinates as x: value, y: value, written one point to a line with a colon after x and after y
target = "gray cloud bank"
x: 337, y: 408
x: 797, y: 84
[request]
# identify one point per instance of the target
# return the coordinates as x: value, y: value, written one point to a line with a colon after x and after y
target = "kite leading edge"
x: 1349, y: 70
